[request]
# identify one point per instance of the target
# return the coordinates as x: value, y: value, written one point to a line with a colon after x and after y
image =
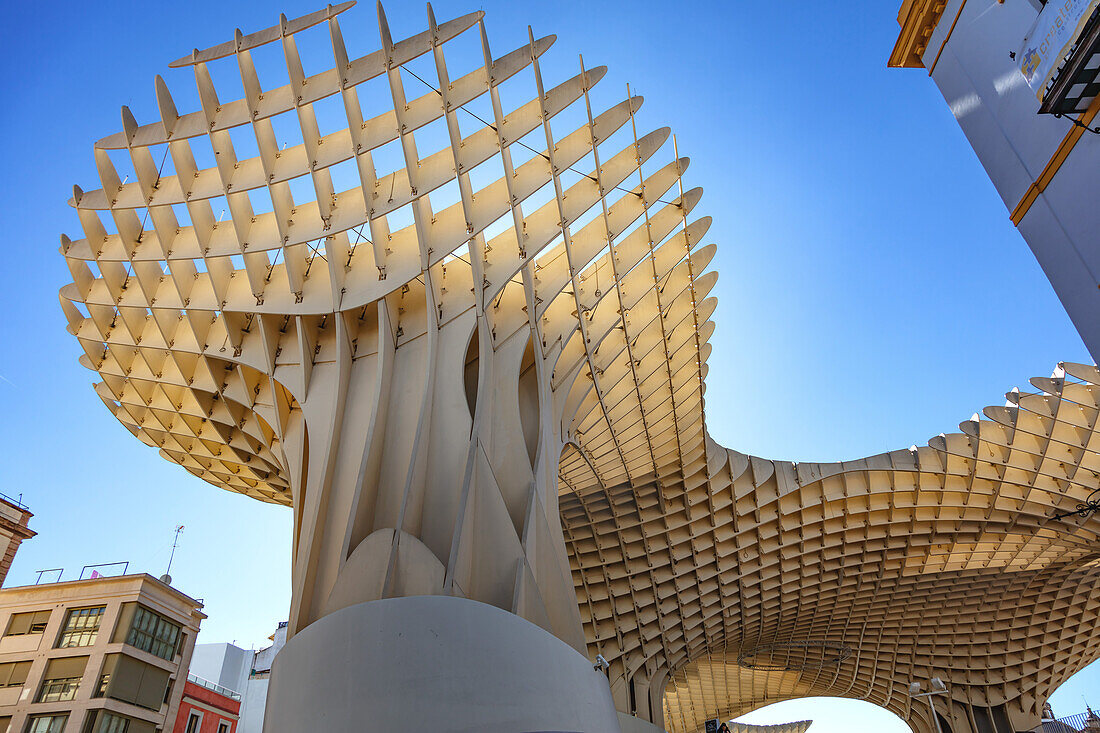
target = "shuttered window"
x: 132, y: 680
x: 65, y: 667
x: 62, y: 679
x: 31, y: 622
x: 14, y: 674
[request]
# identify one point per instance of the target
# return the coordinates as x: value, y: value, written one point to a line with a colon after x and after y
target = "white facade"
x: 223, y: 664
x: 243, y: 671
x: 1047, y: 175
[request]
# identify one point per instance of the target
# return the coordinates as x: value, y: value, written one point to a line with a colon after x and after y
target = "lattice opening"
x: 464, y: 54
x: 518, y: 90
x: 245, y: 146
x: 446, y: 195
x: 400, y: 218
x: 260, y: 201
x: 302, y: 190
x: 531, y: 145
x: 226, y: 78
x: 286, y: 132
x: 270, y: 66
x: 487, y: 173
x: 419, y: 76
x: 388, y: 158
x: 345, y: 176
x: 331, y: 115
x: 432, y: 138
x: 476, y: 114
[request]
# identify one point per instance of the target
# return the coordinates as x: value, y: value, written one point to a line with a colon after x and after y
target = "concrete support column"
x: 433, y: 663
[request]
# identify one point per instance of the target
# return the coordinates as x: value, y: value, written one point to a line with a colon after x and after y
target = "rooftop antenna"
x: 166, y: 578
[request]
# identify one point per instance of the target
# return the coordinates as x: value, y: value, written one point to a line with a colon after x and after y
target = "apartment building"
x: 244, y: 672
x: 108, y: 655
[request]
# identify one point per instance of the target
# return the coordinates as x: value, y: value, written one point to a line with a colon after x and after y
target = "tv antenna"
x: 166, y: 578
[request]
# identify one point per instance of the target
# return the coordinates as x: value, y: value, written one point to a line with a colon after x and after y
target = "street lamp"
x: 938, y: 688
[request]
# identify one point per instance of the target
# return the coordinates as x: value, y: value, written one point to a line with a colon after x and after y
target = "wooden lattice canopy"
x: 433, y: 353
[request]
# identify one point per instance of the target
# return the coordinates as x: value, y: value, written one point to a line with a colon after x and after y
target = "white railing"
x: 224, y: 691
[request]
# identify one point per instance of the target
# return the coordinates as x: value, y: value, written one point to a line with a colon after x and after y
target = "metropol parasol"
x: 477, y: 380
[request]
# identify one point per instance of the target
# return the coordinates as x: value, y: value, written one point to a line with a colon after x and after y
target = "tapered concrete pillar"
x: 437, y: 664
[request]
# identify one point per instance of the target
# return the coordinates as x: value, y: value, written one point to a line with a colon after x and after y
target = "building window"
x: 105, y: 722
x: 47, y: 723
x: 223, y: 727
x: 153, y: 633
x: 32, y: 622
x: 14, y: 674
x: 131, y: 680
x: 81, y: 627
x: 58, y: 690
x: 193, y: 722
x: 61, y: 679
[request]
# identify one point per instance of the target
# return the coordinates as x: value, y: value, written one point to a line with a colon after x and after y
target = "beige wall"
x: 119, y: 597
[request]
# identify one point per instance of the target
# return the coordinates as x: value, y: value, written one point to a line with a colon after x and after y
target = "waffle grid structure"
x: 520, y: 324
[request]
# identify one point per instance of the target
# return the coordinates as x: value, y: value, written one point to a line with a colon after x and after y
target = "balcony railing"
x: 1077, y: 82
x: 214, y: 686
x: 1071, y: 724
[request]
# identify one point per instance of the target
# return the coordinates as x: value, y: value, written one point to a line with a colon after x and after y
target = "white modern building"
x: 1022, y: 78
x: 244, y: 671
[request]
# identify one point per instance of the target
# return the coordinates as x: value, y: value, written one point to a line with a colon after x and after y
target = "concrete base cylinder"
x: 434, y: 663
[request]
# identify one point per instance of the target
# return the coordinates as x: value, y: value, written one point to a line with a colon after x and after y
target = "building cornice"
x: 22, y: 531
x: 918, y: 20
x: 117, y: 585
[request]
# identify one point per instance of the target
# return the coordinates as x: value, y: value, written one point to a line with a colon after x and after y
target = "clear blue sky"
x: 873, y: 292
